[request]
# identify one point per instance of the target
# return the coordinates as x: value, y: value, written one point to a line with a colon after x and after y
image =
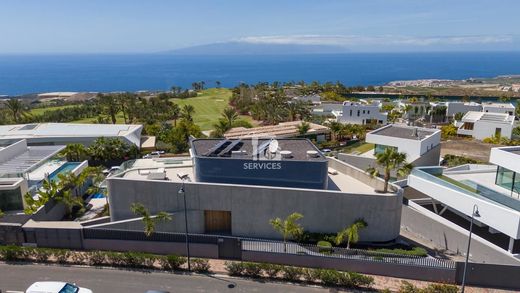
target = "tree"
x: 148, y: 220
x: 187, y: 112
x: 335, y: 129
x: 16, y: 108
x: 69, y: 200
x: 448, y: 131
x: 108, y: 105
x: 75, y: 152
x: 1, y: 214
x: 229, y: 115
x: 303, y: 128
x: 217, y: 83
x: 175, y: 112
x: 458, y: 116
x: 390, y: 160
x: 48, y: 191
x: 288, y: 228
x: 351, y: 233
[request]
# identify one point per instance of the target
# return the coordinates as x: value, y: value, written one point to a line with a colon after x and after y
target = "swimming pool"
x: 98, y: 195
x: 65, y: 168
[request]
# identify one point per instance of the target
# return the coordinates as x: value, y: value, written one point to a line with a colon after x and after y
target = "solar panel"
x: 217, y: 148
x: 261, y: 148
x: 29, y: 127
x: 235, y: 145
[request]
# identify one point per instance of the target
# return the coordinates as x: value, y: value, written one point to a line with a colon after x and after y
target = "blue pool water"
x: 98, y: 195
x: 67, y: 167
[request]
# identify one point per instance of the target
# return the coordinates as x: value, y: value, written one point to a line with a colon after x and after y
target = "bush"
x: 200, y: 265
x: 311, y: 275
x: 234, y: 268
x: 42, y: 254
x: 324, y: 246
x: 12, y: 253
x: 272, y: 270
x: 115, y: 258
x: 79, y: 258
x: 61, y: 255
x: 172, y: 262
x: 292, y: 273
x: 416, y: 251
x: 360, y: 280
x: 330, y: 277
x: 440, y: 288
x: 252, y: 269
x: 96, y: 258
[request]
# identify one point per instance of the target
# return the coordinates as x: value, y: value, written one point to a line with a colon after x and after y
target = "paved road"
x: 18, y: 277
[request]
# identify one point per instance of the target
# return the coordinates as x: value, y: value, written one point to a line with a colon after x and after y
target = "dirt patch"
x: 467, y: 148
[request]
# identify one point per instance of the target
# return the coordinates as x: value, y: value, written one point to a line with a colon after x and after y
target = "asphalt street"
x: 18, y: 277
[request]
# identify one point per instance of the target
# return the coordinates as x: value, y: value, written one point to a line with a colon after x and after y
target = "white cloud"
x: 391, y: 40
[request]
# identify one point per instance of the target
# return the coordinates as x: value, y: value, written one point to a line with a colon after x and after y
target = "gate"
x: 229, y: 248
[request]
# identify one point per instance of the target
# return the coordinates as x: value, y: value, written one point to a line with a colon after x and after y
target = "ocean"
x: 24, y: 74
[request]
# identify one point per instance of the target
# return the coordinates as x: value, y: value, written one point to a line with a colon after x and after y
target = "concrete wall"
x: 353, y: 265
x: 51, y: 211
x: 446, y: 235
x: 487, y: 275
x: 252, y: 207
x: 484, y: 129
x: 13, y: 150
x: 11, y: 233
x: 461, y: 107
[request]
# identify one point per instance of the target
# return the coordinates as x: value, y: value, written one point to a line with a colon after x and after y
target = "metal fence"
x: 344, y: 253
x: 116, y: 234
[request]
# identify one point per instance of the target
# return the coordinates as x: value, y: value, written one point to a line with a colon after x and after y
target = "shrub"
x: 324, y: 246
x: 79, y: 258
x: 200, y: 265
x: 172, y: 262
x: 114, y: 258
x: 330, y: 277
x: 292, y: 273
x: 361, y: 280
x: 416, y: 251
x: 42, y: 254
x: 345, y: 280
x: 62, y: 255
x: 272, y: 270
x: 407, y: 287
x: 234, y: 268
x: 252, y: 269
x: 96, y: 258
x: 12, y: 253
x: 310, y: 275
x: 440, y: 288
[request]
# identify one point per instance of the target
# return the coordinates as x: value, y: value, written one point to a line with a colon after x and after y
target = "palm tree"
x: 288, y: 228
x: 75, y: 152
x: 148, y: 220
x: 229, y: 115
x: 48, y: 191
x: 175, y: 112
x: 70, y: 181
x: 69, y: 200
x: 351, y: 233
x: 108, y: 105
x: 220, y: 128
x: 303, y: 128
x: 187, y: 113
x: 335, y: 129
x: 390, y: 160
x: 16, y: 108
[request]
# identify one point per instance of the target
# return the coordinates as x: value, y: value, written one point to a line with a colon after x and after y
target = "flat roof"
x: 286, y: 129
x: 499, y: 105
x: 29, y: 159
x: 297, y: 146
x: 65, y: 130
x: 140, y: 169
x: 405, y: 132
x: 474, y: 116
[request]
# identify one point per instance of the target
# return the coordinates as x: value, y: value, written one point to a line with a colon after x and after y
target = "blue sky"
x: 109, y: 26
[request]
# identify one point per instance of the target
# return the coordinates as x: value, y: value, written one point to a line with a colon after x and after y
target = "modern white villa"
x: 504, y: 108
x: 461, y: 107
x: 23, y: 168
x: 493, y: 190
x: 360, y: 113
x: 65, y: 133
x: 481, y: 125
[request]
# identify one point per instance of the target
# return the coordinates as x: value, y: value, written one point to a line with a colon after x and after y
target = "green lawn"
x: 40, y: 111
x: 358, y: 147
x: 457, y: 183
x: 209, y: 105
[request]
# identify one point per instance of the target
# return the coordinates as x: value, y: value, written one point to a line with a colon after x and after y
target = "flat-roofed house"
x: 360, y: 113
x: 504, y: 108
x: 481, y: 125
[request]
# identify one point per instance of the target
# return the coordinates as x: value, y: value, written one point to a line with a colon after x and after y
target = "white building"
x: 461, y: 107
x: 481, y: 125
x: 359, y: 113
x: 65, y: 133
x: 505, y: 108
x: 415, y: 142
x: 23, y: 168
x: 493, y: 190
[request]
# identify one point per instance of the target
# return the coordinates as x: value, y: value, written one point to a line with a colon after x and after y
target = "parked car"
x: 56, y: 287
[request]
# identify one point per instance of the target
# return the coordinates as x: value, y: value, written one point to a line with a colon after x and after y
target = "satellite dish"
x: 273, y: 146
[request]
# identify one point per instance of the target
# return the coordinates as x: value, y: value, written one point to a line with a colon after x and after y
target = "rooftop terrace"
x: 406, y: 132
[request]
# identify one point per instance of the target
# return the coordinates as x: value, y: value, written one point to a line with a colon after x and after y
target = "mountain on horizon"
x: 243, y: 48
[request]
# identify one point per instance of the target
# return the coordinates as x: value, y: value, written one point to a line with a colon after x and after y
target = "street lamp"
x: 185, y: 177
x: 474, y: 215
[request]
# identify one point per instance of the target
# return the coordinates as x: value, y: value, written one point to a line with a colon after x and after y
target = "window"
x: 468, y: 126
x: 498, y: 132
x: 368, y: 111
x: 350, y: 112
x: 11, y: 200
x: 381, y: 148
x: 69, y: 288
x: 363, y: 111
x: 358, y: 112
x: 506, y: 178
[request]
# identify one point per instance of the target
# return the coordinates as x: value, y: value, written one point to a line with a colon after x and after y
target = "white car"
x: 56, y: 287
